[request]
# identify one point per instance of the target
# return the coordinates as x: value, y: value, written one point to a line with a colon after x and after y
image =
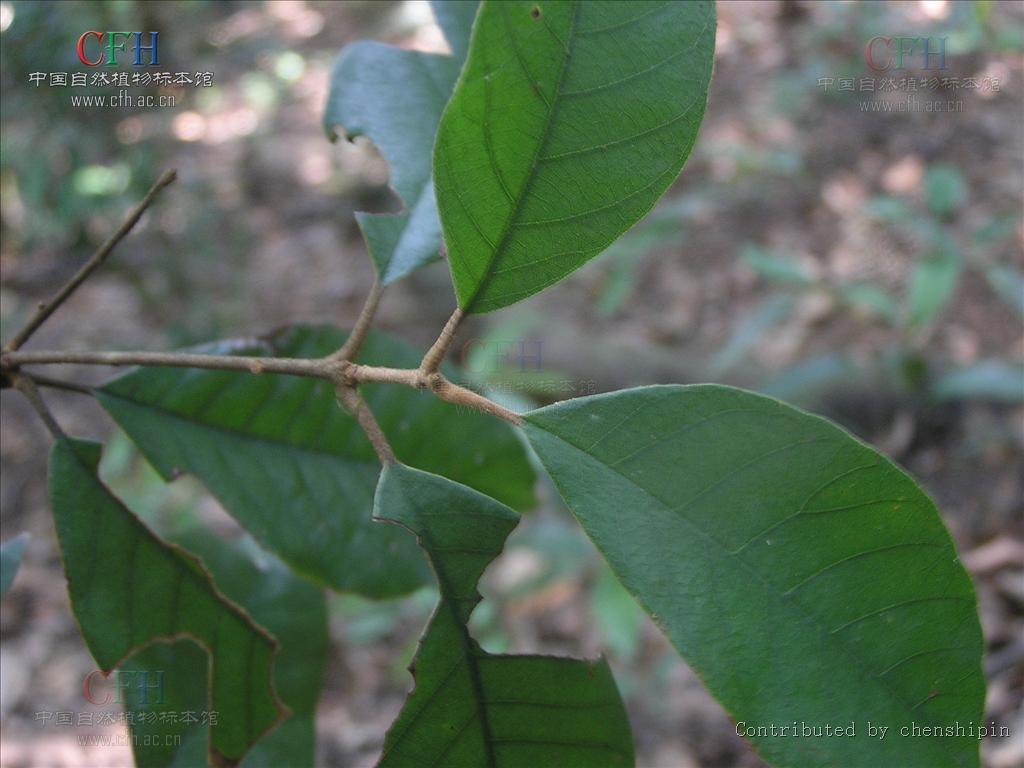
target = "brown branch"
x: 432, y: 360
x: 256, y: 365
x: 436, y: 383
x: 454, y: 393
x: 340, y: 372
x: 27, y: 387
x: 355, y: 339
x: 354, y: 404
x: 47, y: 308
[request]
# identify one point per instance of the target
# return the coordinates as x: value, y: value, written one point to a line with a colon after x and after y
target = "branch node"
x: 27, y: 387
x: 346, y: 374
x: 435, y: 355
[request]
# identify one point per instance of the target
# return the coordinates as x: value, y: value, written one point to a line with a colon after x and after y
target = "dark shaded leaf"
x: 290, y: 608
x: 130, y: 589
x: 296, y: 470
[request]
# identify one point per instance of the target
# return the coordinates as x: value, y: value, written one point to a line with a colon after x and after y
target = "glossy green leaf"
x: 130, y: 589
x: 804, y: 576
x: 471, y: 708
x: 171, y: 679
x: 10, y: 559
x: 932, y: 285
x: 569, y: 121
x: 395, y: 98
x: 296, y: 470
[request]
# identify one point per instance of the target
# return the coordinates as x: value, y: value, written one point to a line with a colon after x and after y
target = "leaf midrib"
x: 792, y: 606
x: 517, y: 206
x: 234, y: 433
x: 450, y: 601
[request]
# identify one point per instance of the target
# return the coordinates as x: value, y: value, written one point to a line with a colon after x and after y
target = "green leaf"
x: 291, y: 608
x: 10, y: 559
x: 774, y: 267
x: 887, y: 208
x: 945, y: 189
x: 812, y: 378
x: 932, y: 285
x: 995, y: 380
x: 871, y: 297
x: 395, y: 98
x: 569, y: 121
x: 1008, y: 284
x: 750, y: 329
x: 804, y: 576
x: 471, y: 708
x: 130, y: 589
x: 296, y: 470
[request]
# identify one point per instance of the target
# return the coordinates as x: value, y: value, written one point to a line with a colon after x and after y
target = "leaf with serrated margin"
x: 803, y: 575
x: 471, y: 708
x: 171, y: 678
x: 10, y: 559
x: 129, y: 589
x: 395, y: 98
x: 569, y: 121
x: 297, y: 471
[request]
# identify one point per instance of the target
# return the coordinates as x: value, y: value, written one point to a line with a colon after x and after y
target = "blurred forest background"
x: 862, y: 263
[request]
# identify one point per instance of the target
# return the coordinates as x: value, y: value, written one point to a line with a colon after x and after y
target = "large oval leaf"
x: 568, y: 123
x: 296, y: 470
x: 472, y: 708
x: 805, y: 577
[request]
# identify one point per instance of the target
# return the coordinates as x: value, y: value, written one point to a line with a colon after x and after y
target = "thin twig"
x: 27, y: 387
x: 354, y: 404
x: 256, y: 365
x: 436, y: 383
x: 47, y: 308
x: 355, y: 339
x: 432, y: 360
x: 339, y: 372
x: 409, y: 377
x: 454, y: 393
